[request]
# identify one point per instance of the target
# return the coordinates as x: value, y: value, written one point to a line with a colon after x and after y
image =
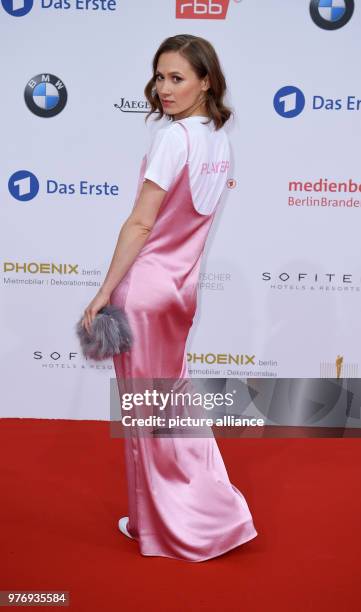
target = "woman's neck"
x: 193, y: 111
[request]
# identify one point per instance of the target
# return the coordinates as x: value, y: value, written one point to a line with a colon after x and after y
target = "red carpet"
x: 63, y: 490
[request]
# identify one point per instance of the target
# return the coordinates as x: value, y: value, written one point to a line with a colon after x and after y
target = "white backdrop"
x: 252, y: 301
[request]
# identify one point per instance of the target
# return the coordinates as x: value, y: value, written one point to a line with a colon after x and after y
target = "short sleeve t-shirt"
x: 209, y: 159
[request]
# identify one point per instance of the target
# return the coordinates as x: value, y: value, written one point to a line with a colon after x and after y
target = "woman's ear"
x: 206, y: 84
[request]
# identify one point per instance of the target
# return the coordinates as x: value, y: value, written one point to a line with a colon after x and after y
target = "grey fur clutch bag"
x: 110, y: 334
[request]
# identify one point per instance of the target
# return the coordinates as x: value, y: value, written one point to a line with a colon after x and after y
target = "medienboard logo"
x: 207, y: 9
x: 331, y: 14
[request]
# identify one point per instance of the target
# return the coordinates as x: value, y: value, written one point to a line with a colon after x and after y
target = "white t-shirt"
x: 209, y: 159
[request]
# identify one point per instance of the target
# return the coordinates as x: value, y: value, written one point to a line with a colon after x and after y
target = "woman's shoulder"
x: 171, y: 135
x: 168, y: 134
x: 200, y: 126
x: 173, y: 128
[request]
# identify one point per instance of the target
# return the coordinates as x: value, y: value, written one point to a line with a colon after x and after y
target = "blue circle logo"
x: 289, y: 101
x: 19, y: 8
x: 331, y: 14
x: 23, y: 185
x: 45, y: 95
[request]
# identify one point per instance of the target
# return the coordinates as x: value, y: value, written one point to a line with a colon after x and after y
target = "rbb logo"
x: 208, y: 9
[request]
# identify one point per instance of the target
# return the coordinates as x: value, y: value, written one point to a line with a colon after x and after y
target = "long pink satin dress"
x: 181, y: 503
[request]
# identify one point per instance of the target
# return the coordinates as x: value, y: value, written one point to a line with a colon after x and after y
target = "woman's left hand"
x: 101, y: 299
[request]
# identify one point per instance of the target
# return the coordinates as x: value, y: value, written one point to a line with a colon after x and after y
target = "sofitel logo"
x: 304, y: 276
x: 197, y: 9
x: 327, y: 282
x: 55, y: 355
x: 55, y: 360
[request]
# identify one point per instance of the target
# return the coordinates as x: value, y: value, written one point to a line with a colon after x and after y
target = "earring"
x: 154, y: 91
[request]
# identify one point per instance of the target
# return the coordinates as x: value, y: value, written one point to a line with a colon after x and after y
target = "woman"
x: 181, y: 502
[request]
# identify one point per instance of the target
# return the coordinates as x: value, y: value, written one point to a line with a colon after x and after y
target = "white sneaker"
x: 122, y: 524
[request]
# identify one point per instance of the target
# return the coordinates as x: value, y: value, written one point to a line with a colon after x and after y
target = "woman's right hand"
x: 99, y: 301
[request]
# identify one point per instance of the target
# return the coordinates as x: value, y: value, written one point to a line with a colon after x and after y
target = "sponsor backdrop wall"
x: 279, y: 292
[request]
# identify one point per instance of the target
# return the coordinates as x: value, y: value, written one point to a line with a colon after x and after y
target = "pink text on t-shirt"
x: 214, y: 167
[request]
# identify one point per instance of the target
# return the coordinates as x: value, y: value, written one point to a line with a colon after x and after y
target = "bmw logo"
x: 331, y: 14
x: 45, y: 95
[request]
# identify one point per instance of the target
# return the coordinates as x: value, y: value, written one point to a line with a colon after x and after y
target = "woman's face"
x: 178, y: 86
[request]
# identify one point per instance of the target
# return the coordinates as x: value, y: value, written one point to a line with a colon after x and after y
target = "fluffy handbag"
x: 110, y: 334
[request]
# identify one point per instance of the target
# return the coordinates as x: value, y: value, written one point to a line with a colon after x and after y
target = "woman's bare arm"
x: 133, y: 235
